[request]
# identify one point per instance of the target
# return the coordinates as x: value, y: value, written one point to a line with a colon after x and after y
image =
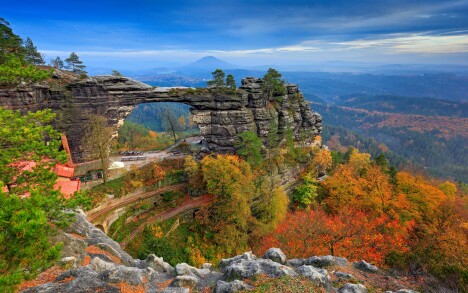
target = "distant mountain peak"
x: 211, y: 63
x: 209, y: 58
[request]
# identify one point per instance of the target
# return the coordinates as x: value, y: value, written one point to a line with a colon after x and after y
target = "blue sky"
x: 144, y: 34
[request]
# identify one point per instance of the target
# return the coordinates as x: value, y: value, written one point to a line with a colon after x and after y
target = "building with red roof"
x: 65, y: 172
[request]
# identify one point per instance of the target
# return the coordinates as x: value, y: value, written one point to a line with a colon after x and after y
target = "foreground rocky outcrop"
x: 220, y: 114
x: 92, y: 262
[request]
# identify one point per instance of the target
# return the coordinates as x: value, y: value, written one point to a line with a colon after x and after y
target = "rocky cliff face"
x: 219, y: 115
x: 92, y: 262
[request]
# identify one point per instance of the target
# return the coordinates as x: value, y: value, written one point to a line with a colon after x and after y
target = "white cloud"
x: 415, y: 44
x: 392, y: 48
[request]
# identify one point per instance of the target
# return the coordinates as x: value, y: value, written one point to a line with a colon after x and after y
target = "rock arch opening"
x: 157, y: 125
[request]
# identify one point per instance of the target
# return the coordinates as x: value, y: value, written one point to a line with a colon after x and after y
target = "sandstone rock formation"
x: 220, y: 115
x: 98, y: 264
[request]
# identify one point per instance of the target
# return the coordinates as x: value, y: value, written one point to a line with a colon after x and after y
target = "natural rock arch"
x: 219, y: 115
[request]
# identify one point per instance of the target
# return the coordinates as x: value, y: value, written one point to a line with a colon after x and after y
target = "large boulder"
x: 276, y: 255
x: 114, y: 273
x: 352, y: 288
x: 318, y: 276
x: 326, y: 261
x: 241, y: 269
x: 184, y: 281
x: 295, y: 262
x: 230, y: 287
x: 227, y: 261
x: 365, y: 266
x: 158, y: 264
x: 204, y: 277
x: 342, y: 275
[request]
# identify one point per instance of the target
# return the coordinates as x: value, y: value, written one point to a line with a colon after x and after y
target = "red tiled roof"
x: 64, y: 171
x: 67, y: 188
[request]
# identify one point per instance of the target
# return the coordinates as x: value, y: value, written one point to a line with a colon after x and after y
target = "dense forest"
x: 412, y: 128
x: 152, y: 115
x: 404, y: 105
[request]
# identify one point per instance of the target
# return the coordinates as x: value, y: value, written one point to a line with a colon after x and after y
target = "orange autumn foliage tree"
x: 368, y: 211
x: 343, y: 188
x: 422, y: 198
x: 365, y: 186
x: 350, y: 233
x: 322, y: 160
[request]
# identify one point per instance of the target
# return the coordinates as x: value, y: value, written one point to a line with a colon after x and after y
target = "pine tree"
x: 231, y: 82
x: 57, y: 63
x: 75, y: 64
x: 10, y: 43
x: 31, y: 55
x: 273, y: 84
x: 218, y: 79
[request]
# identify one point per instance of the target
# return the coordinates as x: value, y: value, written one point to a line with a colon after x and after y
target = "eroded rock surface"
x: 219, y: 115
x: 96, y: 263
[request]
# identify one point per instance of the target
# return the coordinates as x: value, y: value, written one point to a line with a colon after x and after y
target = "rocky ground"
x: 92, y: 262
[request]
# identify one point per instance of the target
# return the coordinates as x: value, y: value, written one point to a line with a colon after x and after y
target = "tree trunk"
x: 103, y: 165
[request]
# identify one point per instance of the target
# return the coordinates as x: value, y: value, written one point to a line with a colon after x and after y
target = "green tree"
x: 98, y: 140
x: 231, y: 82
x: 22, y: 140
x: 270, y: 206
x: 116, y: 73
x: 249, y: 147
x: 218, y: 79
x: 10, y: 43
x: 381, y: 161
x: 30, y: 149
x: 171, y: 123
x: 13, y: 72
x: 75, y: 64
x: 306, y: 193
x: 31, y: 55
x: 273, y: 84
x: 57, y: 63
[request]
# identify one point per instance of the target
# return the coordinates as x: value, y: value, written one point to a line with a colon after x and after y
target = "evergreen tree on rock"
x: 75, y: 64
x: 10, y: 43
x: 273, y: 84
x: 218, y: 79
x: 57, y: 63
x: 231, y: 82
x: 31, y: 55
